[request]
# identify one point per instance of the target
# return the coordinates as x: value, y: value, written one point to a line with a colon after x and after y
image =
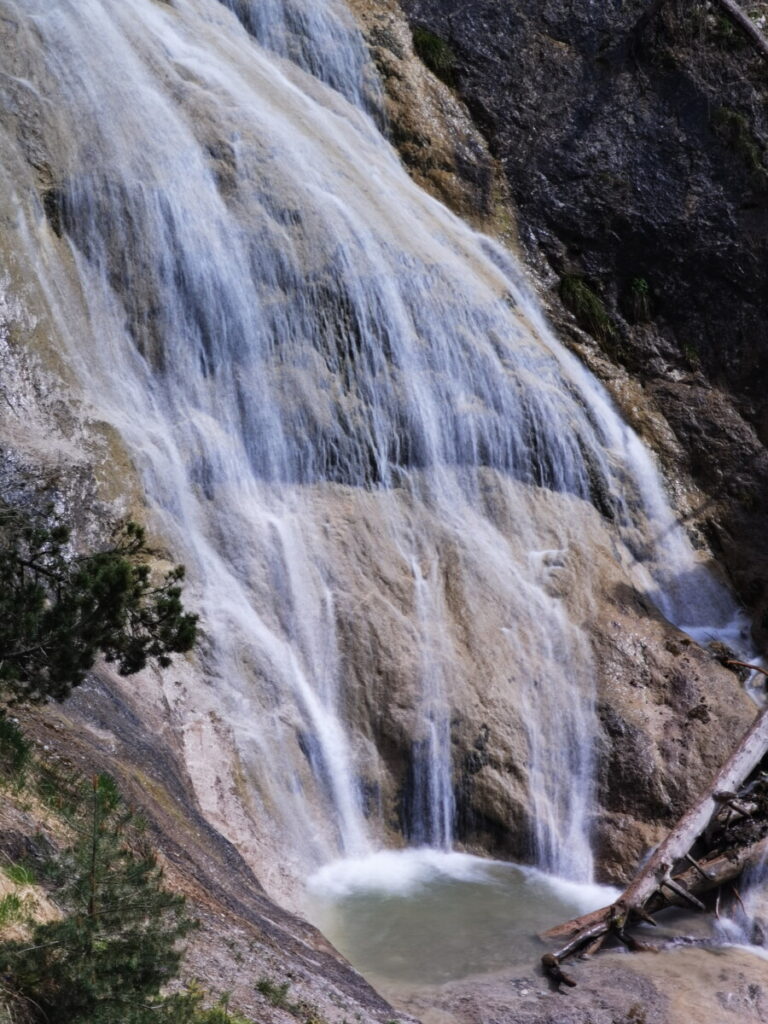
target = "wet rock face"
x: 669, y: 717
x: 629, y: 156
x: 667, y: 713
x: 638, y: 165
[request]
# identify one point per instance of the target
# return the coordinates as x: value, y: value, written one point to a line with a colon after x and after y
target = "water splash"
x: 747, y: 924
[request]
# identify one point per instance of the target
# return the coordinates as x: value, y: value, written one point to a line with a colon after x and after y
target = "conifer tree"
x: 117, y: 944
x: 58, y: 611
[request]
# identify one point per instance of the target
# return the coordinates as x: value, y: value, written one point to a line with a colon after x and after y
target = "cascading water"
x: 321, y: 38
x: 747, y: 922
x: 302, y: 349
x: 433, y: 808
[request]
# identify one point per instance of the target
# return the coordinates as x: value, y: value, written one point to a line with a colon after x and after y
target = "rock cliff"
x: 587, y: 123
x: 637, y: 162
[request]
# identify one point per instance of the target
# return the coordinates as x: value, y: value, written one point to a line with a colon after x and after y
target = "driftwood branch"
x: 742, y: 21
x: 655, y: 887
x: 552, y: 969
x: 730, y: 9
x: 745, y: 664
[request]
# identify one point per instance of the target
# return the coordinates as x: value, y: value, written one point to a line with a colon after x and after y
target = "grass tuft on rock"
x: 734, y: 129
x: 588, y: 308
x: 436, y: 53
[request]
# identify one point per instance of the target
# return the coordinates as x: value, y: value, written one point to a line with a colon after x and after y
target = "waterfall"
x: 432, y: 813
x: 320, y: 37
x: 350, y: 418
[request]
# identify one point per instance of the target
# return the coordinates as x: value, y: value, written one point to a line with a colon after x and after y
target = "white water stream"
x: 329, y: 384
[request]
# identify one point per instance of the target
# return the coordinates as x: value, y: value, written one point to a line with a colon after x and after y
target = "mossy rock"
x: 588, y: 308
x: 734, y: 129
x: 436, y: 54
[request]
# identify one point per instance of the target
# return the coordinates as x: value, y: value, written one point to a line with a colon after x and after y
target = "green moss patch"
x: 436, y: 54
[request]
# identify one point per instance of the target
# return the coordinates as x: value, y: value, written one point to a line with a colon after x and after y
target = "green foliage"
x: 277, y: 995
x: 636, y: 301
x: 640, y: 299
x: 691, y: 354
x: 734, y: 129
x: 14, y: 749
x: 187, y: 1008
x: 724, y: 33
x: 588, y: 308
x: 14, y: 909
x: 19, y: 874
x: 436, y: 54
x: 58, y: 611
x: 60, y: 792
x: 107, y: 959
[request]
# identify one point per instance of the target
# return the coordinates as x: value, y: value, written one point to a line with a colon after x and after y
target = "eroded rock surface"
x: 707, y: 986
x: 244, y: 935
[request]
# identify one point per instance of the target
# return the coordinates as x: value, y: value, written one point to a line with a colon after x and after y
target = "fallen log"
x: 744, y: 23
x: 722, y: 868
x: 731, y: 10
x: 589, y: 932
x: 552, y: 969
x: 746, y: 664
x: 717, y: 871
x: 654, y: 887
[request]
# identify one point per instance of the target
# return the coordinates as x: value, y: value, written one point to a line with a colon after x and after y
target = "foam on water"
x: 403, y: 872
x: 424, y: 916
x: 397, y: 872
